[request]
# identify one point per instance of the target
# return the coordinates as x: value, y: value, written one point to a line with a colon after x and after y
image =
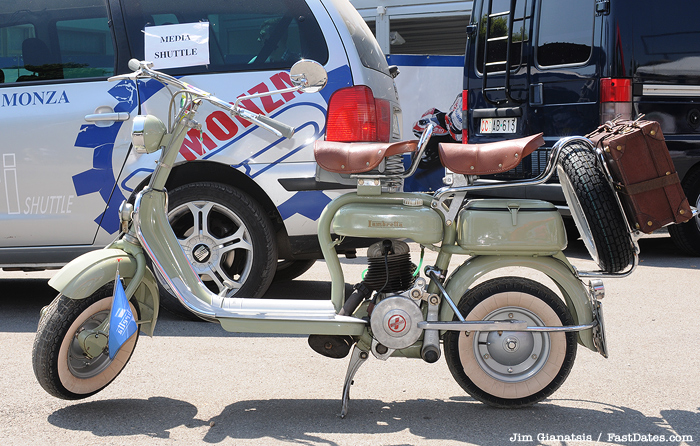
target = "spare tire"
x: 594, y: 208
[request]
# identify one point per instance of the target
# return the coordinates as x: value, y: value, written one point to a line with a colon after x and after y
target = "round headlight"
x: 146, y: 133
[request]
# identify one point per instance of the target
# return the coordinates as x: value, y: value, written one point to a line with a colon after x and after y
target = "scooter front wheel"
x: 60, y: 364
x: 511, y: 369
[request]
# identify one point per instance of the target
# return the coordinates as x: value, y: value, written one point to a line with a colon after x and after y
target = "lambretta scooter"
x: 508, y: 341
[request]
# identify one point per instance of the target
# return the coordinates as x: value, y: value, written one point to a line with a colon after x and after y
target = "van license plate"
x: 499, y: 125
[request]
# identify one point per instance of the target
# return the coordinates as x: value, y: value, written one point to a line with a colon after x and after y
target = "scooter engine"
x: 394, y: 322
x: 389, y: 267
x: 395, y: 316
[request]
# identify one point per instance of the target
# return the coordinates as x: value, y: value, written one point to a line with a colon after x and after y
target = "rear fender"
x: 91, y: 271
x: 557, y: 268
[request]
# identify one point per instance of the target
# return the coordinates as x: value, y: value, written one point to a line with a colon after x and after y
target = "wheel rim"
x: 80, y: 365
x: 79, y: 374
x: 578, y: 215
x: 529, y: 376
x: 216, y: 242
x: 511, y: 356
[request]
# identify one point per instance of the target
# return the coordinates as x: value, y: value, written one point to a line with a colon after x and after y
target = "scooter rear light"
x: 615, y: 99
x: 354, y: 115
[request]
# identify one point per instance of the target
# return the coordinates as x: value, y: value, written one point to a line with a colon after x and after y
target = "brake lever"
x: 130, y: 77
x: 279, y: 129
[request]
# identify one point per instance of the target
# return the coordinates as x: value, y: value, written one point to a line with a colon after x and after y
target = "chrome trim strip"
x: 498, y: 326
x: 474, y: 325
x: 670, y: 90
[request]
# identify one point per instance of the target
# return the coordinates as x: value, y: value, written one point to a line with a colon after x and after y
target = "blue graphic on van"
x: 245, y: 165
x: 101, y: 177
x: 341, y: 77
x: 309, y: 203
x: 149, y: 88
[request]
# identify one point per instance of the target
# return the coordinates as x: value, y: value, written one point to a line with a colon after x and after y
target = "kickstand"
x: 357, y: 358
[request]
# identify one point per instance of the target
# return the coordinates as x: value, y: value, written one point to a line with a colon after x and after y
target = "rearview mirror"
x: 309, y: 75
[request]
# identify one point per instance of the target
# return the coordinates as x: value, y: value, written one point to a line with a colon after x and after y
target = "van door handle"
x: 115, y: 116
x: 536, y: 94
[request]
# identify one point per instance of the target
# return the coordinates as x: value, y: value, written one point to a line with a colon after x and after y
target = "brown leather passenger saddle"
x: 468, y: 159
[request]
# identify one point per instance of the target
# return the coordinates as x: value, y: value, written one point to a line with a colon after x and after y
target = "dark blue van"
x: 563, y: 67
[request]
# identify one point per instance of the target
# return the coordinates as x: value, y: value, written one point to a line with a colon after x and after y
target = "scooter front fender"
x: 86, y: 274
x: 556, y: 268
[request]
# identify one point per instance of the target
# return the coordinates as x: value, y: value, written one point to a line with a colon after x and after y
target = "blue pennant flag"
x: 122, y: 324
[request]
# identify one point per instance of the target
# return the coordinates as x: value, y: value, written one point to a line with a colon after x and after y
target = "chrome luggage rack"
x: 463, y: 184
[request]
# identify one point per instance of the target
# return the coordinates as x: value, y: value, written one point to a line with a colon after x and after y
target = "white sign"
x: 181, y: 45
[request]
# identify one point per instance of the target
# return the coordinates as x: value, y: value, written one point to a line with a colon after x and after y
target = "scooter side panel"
x: 494, y: 226
x: 574, y: 292
x: 418, y: 223
x: 159, y: 242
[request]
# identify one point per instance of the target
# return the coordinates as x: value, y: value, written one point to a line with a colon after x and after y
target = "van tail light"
x: 615, y: 99
x: 465, y: 109
x: 354, y: 115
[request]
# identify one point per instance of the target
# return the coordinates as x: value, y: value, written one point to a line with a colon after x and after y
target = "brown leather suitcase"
x: 643, y: 173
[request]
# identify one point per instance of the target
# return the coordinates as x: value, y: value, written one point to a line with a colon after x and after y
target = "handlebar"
x: 144, y: 70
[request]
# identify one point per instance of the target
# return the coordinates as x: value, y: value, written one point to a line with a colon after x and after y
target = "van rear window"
x: 565, y: 34
x: 497, y: 14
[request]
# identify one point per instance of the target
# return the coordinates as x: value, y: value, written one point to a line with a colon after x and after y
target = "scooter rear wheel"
x: 511, y: 369
x: 60, y: 365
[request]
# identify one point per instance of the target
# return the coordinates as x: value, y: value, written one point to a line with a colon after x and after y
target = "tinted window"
x: 565, y: 32
x: 244, y: 34
x: 39, y: 41
x: 495, y: 43
x: 659, y: 40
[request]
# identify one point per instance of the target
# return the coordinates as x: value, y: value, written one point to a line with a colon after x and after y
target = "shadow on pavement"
x: 311, y: 421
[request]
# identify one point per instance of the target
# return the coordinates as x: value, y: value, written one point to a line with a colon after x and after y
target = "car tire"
x: 227, y: 237
x: 594, y: 208
x: 686, y: 236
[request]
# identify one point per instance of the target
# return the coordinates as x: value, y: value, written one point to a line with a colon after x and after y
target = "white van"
x: 243, y: 203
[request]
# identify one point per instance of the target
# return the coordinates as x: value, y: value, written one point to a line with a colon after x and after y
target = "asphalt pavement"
x: 193, y: 383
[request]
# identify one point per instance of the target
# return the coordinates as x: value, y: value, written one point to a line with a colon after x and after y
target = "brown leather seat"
x: 357, y: 157
x: 490, y: 158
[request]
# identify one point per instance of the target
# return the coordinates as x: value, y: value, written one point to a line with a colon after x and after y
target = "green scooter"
x: 508, y: 341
